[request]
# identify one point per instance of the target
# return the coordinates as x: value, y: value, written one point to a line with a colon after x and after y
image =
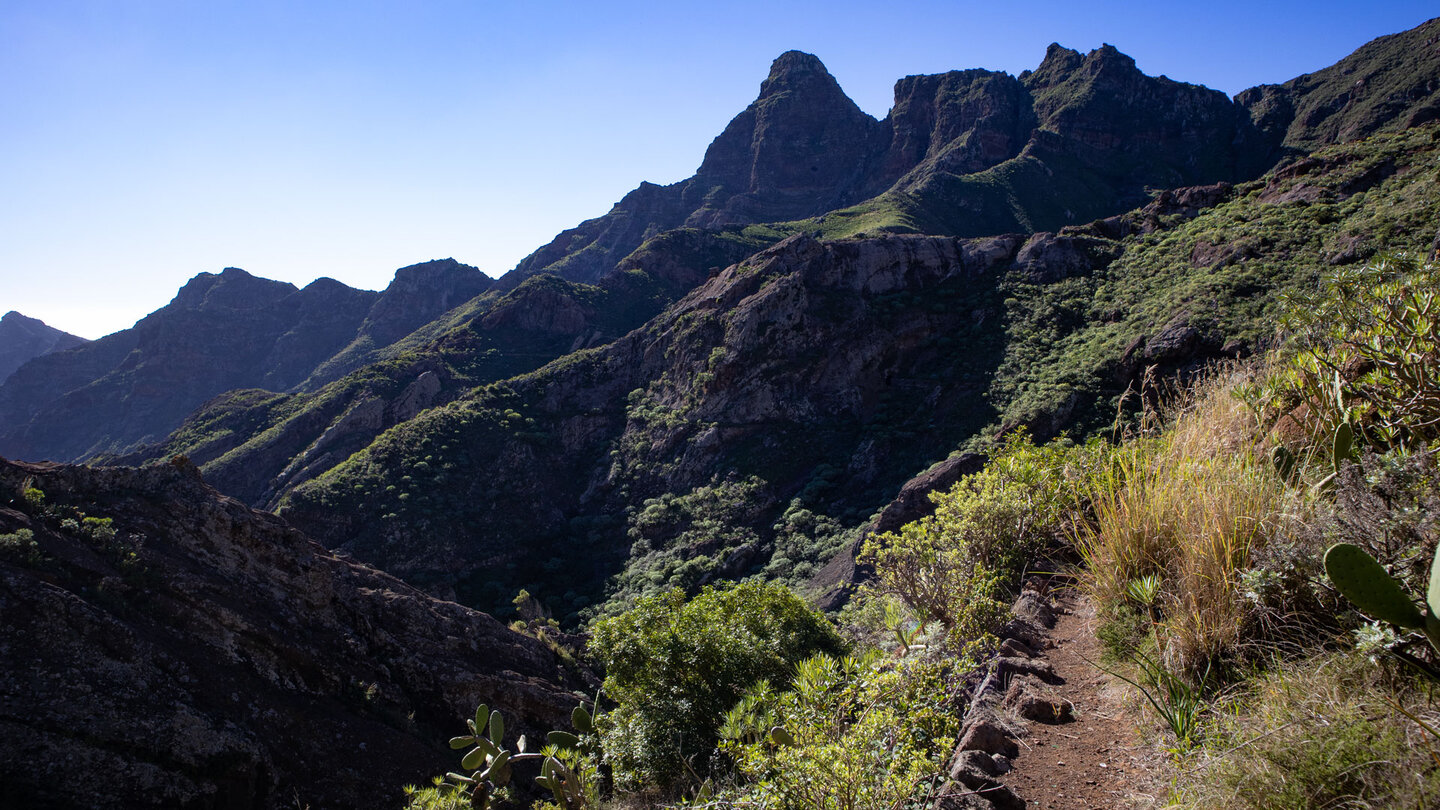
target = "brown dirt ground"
x: 1100, y: 759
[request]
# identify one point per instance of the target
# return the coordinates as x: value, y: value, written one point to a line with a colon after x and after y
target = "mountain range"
x: 740, y: 374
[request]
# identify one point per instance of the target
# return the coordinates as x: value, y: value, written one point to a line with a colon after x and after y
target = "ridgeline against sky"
x: 147, y: 142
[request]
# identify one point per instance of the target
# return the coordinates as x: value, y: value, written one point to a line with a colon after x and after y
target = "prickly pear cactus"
x: 1342, y: 445
x: 1365, y: 583
x: 490, y: 763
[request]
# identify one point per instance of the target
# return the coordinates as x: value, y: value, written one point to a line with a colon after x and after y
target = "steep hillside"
x: 771, y: 411
x: 22, y: 339
x: 200, y: 654
x: 1390, y: 83
x: 221, y: 332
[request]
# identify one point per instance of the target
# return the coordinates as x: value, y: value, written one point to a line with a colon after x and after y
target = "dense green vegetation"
x: 674, y: 667
x: 1072, y: 343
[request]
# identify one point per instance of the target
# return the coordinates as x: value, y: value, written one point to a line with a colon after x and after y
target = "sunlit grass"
x: 1189, y: 506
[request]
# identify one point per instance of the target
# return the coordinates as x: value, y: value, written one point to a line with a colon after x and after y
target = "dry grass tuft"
x: 1190, y: 505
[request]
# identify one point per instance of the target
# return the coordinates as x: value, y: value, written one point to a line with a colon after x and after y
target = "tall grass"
x: 1189, y: 505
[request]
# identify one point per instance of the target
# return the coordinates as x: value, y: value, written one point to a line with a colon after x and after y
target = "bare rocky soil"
x: 1047, y: 728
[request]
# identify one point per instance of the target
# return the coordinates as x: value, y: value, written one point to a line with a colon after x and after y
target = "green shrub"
x: 1365, y: 346
x: 955, y: 566
x: 20, y: 546
x: 33, y: 497
x: 853, y: 732
x: 674, y: 668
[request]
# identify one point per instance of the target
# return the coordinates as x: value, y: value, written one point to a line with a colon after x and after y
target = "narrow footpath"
x: 1097, y: 759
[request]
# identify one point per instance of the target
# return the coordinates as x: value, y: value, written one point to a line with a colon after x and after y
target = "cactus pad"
x: 1366, y: 584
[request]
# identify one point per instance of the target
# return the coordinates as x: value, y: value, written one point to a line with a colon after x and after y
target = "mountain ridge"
x: 23, y: 339
x: 221, y: 331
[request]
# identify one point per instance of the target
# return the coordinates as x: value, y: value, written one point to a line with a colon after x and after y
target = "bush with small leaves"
x: 955, y: 566
x: 20, y: 546
x: 674, y: 667
x: 854, y: 732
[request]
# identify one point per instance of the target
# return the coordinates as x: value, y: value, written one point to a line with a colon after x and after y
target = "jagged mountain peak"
x: 1109, y: 53
x: 1058, y: 63
x: 798, y: 150
x: 797, y: 71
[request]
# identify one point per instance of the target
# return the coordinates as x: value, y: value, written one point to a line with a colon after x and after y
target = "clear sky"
x: 145, y: 141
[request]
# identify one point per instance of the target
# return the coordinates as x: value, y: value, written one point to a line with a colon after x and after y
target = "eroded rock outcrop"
x: 200, y: 654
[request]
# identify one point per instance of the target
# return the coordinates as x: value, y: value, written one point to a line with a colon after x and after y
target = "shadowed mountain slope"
x: 221, y: 332
x: 22, y: 339
x: 203, y: 655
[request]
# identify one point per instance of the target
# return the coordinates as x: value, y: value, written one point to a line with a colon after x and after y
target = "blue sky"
x: 145, y: 141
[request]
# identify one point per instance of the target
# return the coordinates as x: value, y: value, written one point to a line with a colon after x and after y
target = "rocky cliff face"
x: 959, y: 122
x: 22, y: 339
x: 202, y: 655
